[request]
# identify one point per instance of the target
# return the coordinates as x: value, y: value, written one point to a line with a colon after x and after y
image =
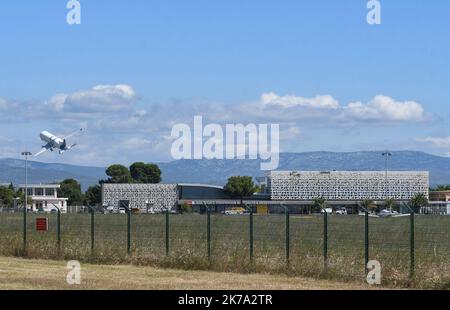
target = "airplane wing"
x: 68, y: 149
x: 401, y: 215
x: 44, y: 149
x: 73, y: 133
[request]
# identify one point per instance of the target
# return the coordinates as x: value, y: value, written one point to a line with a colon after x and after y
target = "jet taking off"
x: 53, y: 142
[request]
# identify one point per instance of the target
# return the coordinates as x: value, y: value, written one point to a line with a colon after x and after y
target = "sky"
x: 133, y: 69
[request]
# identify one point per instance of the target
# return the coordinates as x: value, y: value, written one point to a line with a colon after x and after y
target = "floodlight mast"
x: 26, y: 154
x: 386, y: 155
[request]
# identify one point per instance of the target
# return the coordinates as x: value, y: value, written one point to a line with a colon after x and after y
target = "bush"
x: 185, y: 208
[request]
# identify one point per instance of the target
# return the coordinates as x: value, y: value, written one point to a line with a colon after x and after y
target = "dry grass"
x: 389, y: 244
x: 17, y: 273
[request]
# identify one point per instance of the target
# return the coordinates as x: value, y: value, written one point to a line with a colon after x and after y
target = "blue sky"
x: 389, y: 84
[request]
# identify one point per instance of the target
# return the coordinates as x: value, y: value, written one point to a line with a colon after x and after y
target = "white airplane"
x: 53, y: 142
x: 387, y: 213
x: 391, y: 213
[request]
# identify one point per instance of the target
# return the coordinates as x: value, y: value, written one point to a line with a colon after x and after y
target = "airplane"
x: 387, y: 213
x: 391, y: 213
x: 53, y: 142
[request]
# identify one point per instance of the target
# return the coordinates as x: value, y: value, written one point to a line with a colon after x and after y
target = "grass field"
x: 16, y: 273
x: 389, y: 244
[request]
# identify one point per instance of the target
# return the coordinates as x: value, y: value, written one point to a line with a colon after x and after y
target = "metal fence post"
x: 92, y: 229
x: 208, y: 231
x: 251, y: 233
x: 412, y: 239
x: 128, y: 230
x: 412, y: 244
x: 325, y: 238
x: 58, y: 232
x: 287, y: 240
x: 366, y: 240
x: 412, y: 267
x: 167, y: 232
x: 25, y: 228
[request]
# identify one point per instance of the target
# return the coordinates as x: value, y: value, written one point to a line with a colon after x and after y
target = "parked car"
x: 341, y: 212
x: 235, y: 211
x: 122, y: 210
x: 328, y: 210
x: 387, y: 213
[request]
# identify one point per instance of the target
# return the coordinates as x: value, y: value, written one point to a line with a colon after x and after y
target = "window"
x: 39, y: 192
x: 29, y: 191
x: 49, y: 192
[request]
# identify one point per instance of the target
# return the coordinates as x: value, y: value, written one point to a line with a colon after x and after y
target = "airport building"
x: 439, y: 203
x: 155, y: 198
x: 44, y: 198
x: 295, y: 189
x: 146, y: 198
x: 346, y: 185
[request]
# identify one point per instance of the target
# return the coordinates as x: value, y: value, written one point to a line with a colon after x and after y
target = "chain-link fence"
x: 408, y: 246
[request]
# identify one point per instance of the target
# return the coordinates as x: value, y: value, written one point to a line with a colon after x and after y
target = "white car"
x: 122, y: 210
x: 341, y: 212
x: 328, y: 210
x: 387, y: 213
x: 109, y: 209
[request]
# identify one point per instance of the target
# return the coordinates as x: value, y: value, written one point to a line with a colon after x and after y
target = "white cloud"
x: 134, y: 142
x: 3, y: 104
x: 116, y: 123
x: 439, y: 142
x: 384, y: 108
x: 318, y: 102
x: 98, y: 99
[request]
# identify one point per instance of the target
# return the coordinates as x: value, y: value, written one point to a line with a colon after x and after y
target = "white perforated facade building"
x: 346, y: 185
x: 146, y: 197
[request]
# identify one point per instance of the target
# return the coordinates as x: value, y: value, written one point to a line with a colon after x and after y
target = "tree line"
x: 239, y: 187
x: 138, y: 172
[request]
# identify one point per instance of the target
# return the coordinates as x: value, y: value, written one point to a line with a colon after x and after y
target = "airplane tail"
x: 67, y: 148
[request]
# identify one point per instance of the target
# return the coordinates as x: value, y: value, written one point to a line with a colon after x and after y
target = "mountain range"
x: 217, y: 171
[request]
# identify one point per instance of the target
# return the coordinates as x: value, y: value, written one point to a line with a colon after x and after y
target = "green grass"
x: 389, y: 244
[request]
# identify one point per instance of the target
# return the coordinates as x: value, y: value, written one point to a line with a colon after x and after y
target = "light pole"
x: 26, y: 154
x: 386, y: 155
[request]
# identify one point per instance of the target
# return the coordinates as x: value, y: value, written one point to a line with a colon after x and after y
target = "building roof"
x: 294, y: 172
x: 49, y: 198
x: 440, y: 192
x: 40, y: 186
x: 200, y: 185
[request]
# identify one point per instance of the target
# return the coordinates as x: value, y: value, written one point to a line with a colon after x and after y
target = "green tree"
x: 71, y: 189
x: 145, y: 173
x: 319, y: 204
x: 369, y: 205
x: 185, y: 208
x: 440, y: 188
x: 93, y: 195
x: 241, y: 187
x: 418, y: 201
x: 118, y: 174
x: 6, y: 196
x: 390, y: 203
x: 20, y: 194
